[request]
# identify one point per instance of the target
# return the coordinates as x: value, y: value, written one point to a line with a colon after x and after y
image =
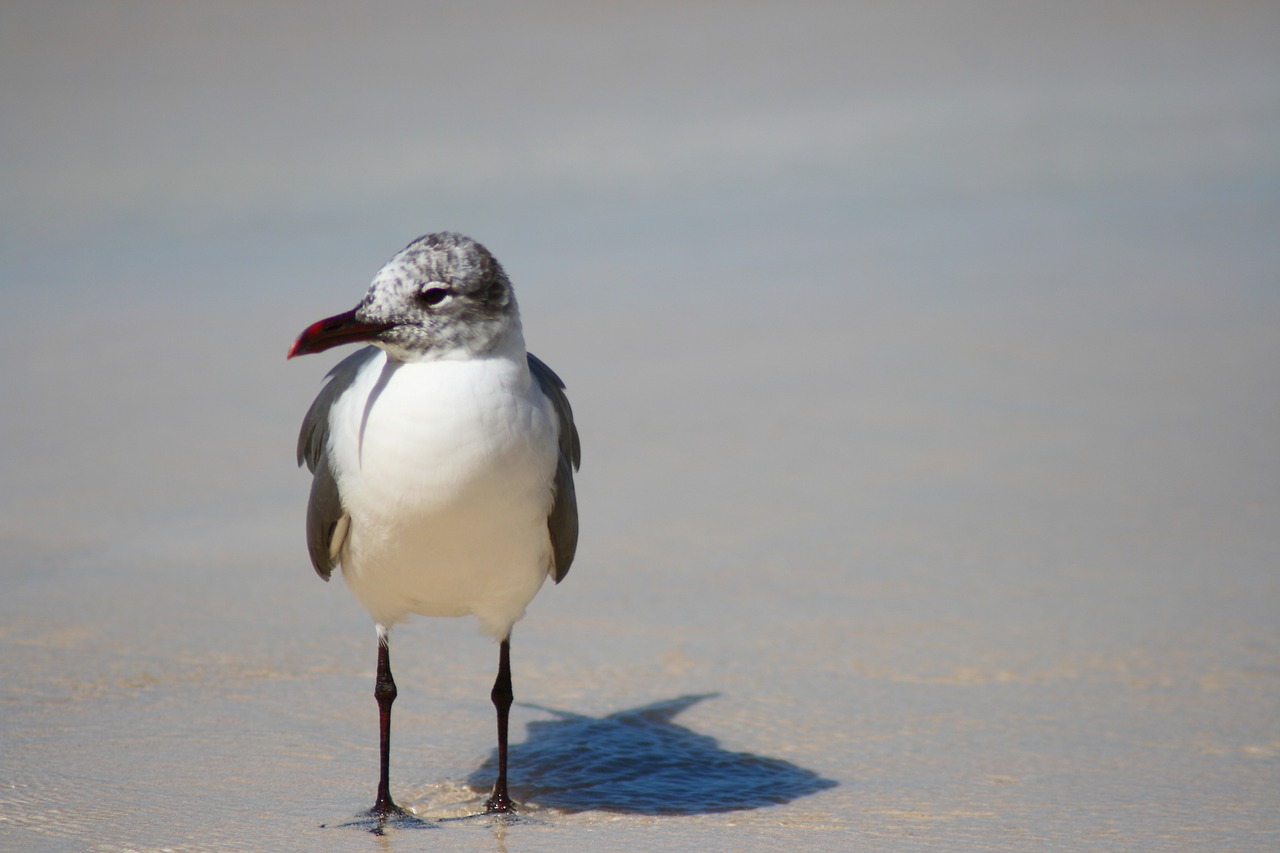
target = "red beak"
x: 334, y: 331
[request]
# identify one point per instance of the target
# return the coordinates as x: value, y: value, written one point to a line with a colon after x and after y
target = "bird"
x: 442, y: 456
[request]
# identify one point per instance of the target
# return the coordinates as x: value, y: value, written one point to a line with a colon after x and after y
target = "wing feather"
x: 326, y: 519
x: 562, y: 522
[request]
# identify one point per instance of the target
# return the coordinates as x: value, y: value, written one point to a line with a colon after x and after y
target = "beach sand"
x: 927, y: 365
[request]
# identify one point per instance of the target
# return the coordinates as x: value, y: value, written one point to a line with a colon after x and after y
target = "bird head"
x: 443, y: 296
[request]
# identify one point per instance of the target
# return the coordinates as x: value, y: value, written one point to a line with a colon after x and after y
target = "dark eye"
x: 433, y: 296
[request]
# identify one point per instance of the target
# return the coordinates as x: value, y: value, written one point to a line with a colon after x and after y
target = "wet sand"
x: 926, y: 363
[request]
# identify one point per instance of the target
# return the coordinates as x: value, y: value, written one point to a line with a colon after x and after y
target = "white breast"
x: 446, y: 470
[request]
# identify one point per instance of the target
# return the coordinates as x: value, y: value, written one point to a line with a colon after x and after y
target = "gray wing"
x: 326, y: 519
x: 562, y: 522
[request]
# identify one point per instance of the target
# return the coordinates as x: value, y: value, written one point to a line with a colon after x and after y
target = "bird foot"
x: 499, y: 803
x: 386, y: 810
x: 384, y: 816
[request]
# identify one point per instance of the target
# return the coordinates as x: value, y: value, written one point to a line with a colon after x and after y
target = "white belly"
x: 446, y: 470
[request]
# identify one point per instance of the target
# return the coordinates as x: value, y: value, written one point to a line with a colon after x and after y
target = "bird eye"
x: 433, y: 296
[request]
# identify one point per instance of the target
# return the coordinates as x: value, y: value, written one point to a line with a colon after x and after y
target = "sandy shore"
x: 926, y: 364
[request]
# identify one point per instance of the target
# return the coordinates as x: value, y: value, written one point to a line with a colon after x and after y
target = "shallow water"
x: 926, y: 366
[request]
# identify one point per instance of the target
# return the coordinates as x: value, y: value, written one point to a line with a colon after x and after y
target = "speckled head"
x: 443, y: 296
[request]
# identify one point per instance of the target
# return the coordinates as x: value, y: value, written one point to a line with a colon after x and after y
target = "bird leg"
x: 384, y: 691
x: 502, y: 696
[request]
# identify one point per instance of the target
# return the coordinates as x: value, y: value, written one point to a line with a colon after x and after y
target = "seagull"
x: 442, y: 458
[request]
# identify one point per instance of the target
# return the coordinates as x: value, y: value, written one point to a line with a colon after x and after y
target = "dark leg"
x: 384, y: 691
x: 502, y: 697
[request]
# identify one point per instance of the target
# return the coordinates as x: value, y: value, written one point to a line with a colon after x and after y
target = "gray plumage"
x: 563, y: 520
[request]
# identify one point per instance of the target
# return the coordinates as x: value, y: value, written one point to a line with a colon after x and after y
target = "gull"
x: 442, y: 458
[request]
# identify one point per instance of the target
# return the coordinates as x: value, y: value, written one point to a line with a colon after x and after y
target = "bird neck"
x: 508, y: 343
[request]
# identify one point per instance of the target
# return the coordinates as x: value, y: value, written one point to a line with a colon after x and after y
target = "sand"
x: 927, y: 363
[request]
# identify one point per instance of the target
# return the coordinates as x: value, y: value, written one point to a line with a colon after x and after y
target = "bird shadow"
x: 638, y: 761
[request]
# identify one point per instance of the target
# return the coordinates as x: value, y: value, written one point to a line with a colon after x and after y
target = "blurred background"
x: 926, y: 357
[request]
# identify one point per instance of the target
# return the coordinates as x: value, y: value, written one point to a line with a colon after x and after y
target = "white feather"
x: 445, y: 468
